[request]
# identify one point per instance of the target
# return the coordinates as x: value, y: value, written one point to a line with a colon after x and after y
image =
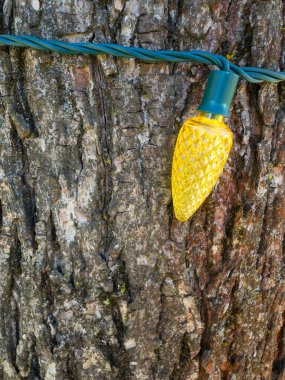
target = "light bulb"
x: 202, y: 149
x: 203, y: 146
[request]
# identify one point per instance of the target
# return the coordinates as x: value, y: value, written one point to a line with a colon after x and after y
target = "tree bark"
x: 98, y: 279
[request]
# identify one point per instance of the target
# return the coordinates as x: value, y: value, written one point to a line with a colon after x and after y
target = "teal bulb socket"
x: 219, y: 92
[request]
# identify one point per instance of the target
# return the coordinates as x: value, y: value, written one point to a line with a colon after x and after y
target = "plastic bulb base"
x: 219, y: 92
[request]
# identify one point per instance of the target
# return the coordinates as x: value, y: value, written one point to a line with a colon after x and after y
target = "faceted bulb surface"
x: 201, y: 151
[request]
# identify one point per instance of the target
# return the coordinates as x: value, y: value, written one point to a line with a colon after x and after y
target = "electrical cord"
x: 251, y: 74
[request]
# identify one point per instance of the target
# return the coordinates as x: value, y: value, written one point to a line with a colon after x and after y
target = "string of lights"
x: 204, y: 141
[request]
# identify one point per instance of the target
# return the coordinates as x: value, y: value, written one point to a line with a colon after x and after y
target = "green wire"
x: 251, y: 74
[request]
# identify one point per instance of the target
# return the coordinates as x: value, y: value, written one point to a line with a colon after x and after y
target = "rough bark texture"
x: 97, y: 278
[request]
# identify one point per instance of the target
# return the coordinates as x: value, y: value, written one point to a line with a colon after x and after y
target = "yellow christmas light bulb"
x: 201, y: 151
x: 203, y: 146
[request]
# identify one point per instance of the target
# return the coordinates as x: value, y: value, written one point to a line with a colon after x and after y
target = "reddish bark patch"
x: 82, y: 78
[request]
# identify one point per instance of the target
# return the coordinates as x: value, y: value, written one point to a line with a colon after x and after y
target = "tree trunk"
x: 98, y: 279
